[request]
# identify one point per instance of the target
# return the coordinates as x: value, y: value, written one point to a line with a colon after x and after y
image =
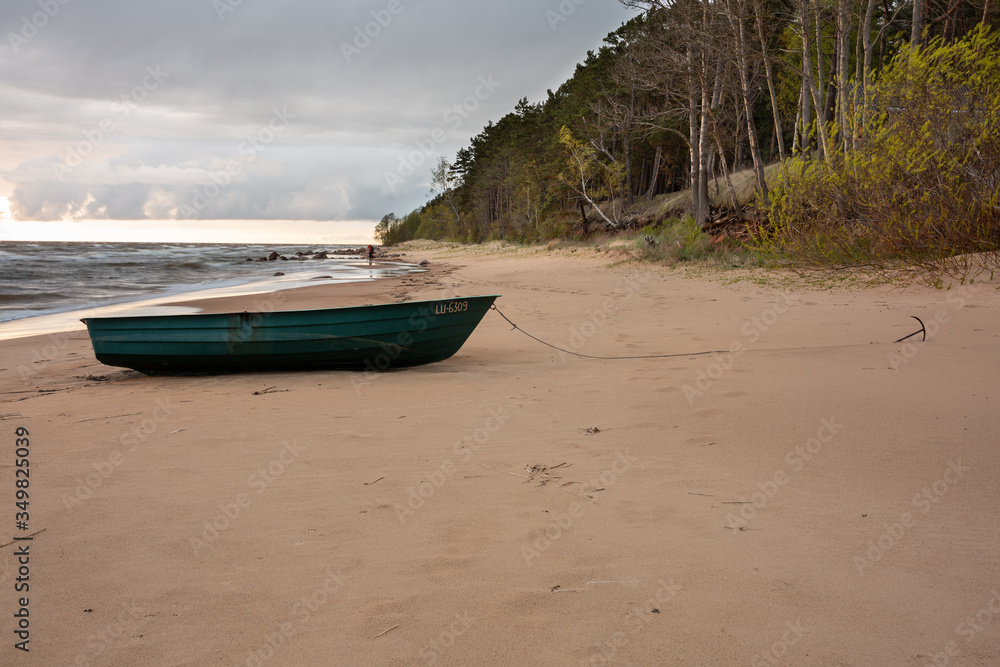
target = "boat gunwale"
x: 176, y: 317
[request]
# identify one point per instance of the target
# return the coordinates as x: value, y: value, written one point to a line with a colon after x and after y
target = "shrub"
x: 679, y: 239
x: 921, y: 184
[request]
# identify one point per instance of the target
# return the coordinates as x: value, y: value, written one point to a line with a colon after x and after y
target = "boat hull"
x: 356, y: 338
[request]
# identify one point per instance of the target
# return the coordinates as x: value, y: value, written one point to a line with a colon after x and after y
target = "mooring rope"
x: 923, y: 330
x: 590, y: 356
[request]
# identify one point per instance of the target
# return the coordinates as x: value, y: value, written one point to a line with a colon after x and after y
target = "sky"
x: 258, y: 120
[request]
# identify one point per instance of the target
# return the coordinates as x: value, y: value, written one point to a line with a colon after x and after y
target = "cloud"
x: 122, y: 110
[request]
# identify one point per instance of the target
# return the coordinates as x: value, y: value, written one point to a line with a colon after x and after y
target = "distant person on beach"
x: 371, y: 253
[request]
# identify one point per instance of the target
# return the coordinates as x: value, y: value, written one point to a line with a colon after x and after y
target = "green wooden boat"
x: 356, y: 338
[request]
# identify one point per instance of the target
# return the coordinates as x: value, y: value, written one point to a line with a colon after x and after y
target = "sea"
x: 42, y: 280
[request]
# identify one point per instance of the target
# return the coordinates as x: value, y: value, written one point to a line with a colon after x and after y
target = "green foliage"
x: 678, y: 240
x: 913, y: 178
x: 584, y: 172
x: 517, y: 180
x: 382, y: 229
x: 923, y: 183
x: 392, y: 230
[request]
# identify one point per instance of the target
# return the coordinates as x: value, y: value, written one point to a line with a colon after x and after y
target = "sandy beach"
x: 813, y: 495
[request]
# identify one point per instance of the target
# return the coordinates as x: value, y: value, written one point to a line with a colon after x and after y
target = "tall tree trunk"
x: 628, y: 149
x: 844, y: 15
x: 656, y: 173
x: 716, y: 100
x: 881, y: 35
x: 798, y: 121
x: 743, y: 59
x: 807, y: 74
x: 770, y: 83
x: 704, y: 154
x: 693, y: 145
x: 628, y: 169
x: 711, y: 169
x: 821, y: 83
x: 917, y: 26
x: 450, y: 197
x: 866, y: 71
x: 643, y: 175
x: 829, y: 105
x: 806, y: 108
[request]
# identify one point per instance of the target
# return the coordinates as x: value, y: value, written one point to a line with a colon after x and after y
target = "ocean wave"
x: 32, y: 297
x: 38, y: 277
x: 190, y: 264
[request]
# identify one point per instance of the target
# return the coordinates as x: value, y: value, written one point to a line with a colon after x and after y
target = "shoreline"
x: 765, y: 503
x: 183, y: 301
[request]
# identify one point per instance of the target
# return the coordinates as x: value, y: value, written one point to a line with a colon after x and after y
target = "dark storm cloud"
x: 167, y: 109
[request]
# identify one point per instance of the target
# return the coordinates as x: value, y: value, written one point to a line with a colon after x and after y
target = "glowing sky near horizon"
x: 263, y: 121
x: 306, y: 232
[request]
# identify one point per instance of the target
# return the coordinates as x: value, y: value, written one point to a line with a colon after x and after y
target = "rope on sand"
x: 923, y: 330
x: 590, y: 356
